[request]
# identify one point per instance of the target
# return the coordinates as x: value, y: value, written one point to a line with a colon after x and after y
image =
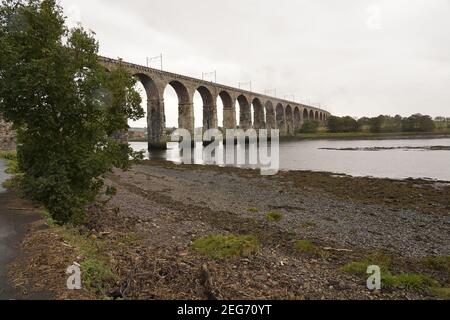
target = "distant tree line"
x: 386, y: 124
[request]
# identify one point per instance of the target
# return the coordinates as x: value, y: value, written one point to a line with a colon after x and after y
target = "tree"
x: 344, y: 124
x: 310, y: 127
x: 63, y: 104
x: 418, y: 123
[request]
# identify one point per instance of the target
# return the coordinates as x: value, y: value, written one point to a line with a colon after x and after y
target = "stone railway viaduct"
x: 269, y: 112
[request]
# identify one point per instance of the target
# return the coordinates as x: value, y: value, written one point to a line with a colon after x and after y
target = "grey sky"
x: 357, y: 57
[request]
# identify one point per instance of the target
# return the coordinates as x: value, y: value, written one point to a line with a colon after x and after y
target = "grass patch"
x: 309, y: 248
x: 417, y: 282
x: 12, y: 166
x: 111, y: 191
x: 226, y: 246
x: 129, y: 238
x: 360, y: 267
x: 8, y: 155
x: 12, y: 184
x: 438, y: 263
x: 96, y: 271
x: 253, y: 210
x: 274, y: 216
x: 408, y: 281
x: 441, y: 293
x: 305, y: 246
x: 308, y: 225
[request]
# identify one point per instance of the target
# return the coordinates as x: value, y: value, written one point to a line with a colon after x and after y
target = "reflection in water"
x: 422, y: 160
x: 200, y: 155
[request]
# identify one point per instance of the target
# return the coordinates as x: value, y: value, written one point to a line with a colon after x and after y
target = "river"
x: 395, y: 159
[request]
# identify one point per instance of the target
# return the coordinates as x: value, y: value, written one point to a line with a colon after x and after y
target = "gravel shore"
x: 171, y: 206
x: 324, y: 217
x: 147, y: 229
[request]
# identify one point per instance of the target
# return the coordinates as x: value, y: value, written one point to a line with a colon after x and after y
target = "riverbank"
x: 356, y: 136
x: 309, y: 235
x: 368, y: 136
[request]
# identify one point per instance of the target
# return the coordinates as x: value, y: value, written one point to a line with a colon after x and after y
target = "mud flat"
x: 309, y: 226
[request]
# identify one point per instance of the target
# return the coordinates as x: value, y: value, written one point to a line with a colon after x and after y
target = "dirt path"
x: 14, y: 222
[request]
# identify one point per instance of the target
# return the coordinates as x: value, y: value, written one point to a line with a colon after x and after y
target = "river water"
x: 395, y: 159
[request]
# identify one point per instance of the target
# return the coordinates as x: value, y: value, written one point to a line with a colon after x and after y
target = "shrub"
x: 310, y: 127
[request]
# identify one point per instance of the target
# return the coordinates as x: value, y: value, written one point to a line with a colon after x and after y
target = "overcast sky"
x: 357, y: 57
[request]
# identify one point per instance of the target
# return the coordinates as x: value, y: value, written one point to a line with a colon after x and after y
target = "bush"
x: 310, y: 127
x: 345, y: 124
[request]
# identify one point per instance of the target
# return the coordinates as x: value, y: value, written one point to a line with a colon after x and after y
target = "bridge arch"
x: 281, y: 122
x: 270, y: 115
x: 185, y: 105
x: 311, y: 115
x: 156, y: 122
x: 289, y: 120
x: 209, y: 108
x: 245, y: 112
x: 297, y: 119
x: 259, y: 114
x: 305, y: 115
x: 229, y: 117
x: 316, y: 116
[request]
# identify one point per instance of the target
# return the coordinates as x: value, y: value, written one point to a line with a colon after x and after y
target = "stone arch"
x: 289, y: 120
x: 209, y: 108
x: 297, y: 119
x: 316, y: 116
x: 270, y: 115
x: 311, y: 115
x: 156, y: 120
x: 185, y: 106
x: 259, y: 114
x: 229, y: 117
x: 281, y: 123
x: 245, y: 112
x: 305, y: 115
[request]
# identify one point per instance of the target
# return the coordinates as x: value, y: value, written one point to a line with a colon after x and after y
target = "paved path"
x: 13, y: 227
